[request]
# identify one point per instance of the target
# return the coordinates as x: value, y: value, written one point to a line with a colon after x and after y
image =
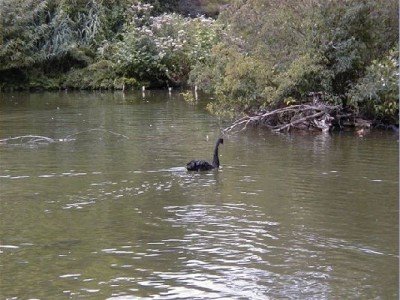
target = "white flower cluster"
x: 168, y: 41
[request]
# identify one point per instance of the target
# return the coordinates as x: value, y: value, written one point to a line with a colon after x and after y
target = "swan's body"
x: 202, y: 165
x: 199, y: 165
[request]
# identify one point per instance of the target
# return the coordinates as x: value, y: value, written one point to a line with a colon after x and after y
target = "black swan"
x: 202, y: 165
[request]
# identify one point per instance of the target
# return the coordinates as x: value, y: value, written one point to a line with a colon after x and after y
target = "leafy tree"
x: 22, y: 26
x: 162, y: 49
x: 296, y: 48
x: 376, y: 94
x: 55, y: 32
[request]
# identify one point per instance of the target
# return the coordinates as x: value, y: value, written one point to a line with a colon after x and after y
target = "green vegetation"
x: 89, y: 44
x: 376, y: 94
x: 162, y: 49
x: 254, y: 55
x: 275, y: 53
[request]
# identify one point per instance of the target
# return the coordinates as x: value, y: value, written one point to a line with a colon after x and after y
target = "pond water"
x: 111, y: 212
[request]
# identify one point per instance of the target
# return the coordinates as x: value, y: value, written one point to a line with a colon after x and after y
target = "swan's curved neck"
x: 215, y: 162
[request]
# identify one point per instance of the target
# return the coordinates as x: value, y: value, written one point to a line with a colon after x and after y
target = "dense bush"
x: 257, y: 54
x: 142, y: 41
x: 377, y: 93
x: 162, y: 49
x: 278, y: 52
x: 100, y: 75
x: 39, y: 33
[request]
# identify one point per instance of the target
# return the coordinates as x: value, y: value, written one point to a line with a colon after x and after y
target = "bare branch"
x: 68, y: 137
x: 37, y: 139
x: 31, y: 139
x: 282, y: 118
x: 280, y: 128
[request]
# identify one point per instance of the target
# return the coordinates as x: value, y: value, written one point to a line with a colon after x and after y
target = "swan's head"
x: 220, y: 141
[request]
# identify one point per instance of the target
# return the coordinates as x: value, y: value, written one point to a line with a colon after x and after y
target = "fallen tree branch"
x: 283, y: 127
x: 31, y: 139
x: 38, y: 139
x: 251, y: 119
x: 318, y: 116
x: 95, y: 129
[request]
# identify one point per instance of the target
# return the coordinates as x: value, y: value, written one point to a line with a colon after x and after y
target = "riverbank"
x: 97, y: 76
x: 308, y: 117
x: 346, y: 52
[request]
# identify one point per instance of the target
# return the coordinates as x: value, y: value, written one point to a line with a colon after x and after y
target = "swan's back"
x: 202, y: 165
x: 199, y: 165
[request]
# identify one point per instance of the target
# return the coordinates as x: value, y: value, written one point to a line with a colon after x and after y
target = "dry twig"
x: 317, y: 116
x: 38, y: 139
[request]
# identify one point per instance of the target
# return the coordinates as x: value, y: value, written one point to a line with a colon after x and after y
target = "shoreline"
x: 314, y: 118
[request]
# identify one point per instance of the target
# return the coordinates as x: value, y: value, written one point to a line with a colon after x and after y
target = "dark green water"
x: 103, y: 216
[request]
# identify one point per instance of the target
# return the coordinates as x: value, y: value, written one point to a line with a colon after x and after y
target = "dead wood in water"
x: 304, y: 116
x: 28, y: 139
x: 68, y: 137
x: 40, y: 140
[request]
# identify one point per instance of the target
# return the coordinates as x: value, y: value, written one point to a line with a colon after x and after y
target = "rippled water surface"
x: 111, y: 213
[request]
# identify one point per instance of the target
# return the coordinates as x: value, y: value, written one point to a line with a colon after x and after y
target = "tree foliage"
x: 163, y: 48
x: 141, y: 40
x: 256, y: 54
x: 377, y: 92
x: 278, y: 52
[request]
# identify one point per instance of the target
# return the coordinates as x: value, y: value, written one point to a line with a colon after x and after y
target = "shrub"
x: 163, y: 48
x: 377, y: 93
x: 276, y: 53
x: 100, y: 75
